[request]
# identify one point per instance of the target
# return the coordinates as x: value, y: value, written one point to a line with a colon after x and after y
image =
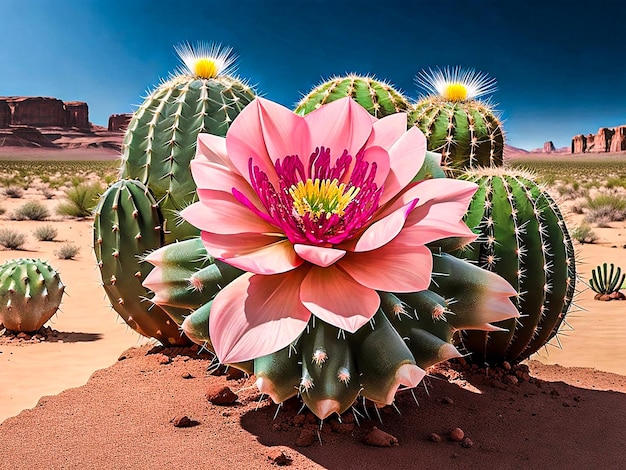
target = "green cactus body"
x: 466, y: 133
x: 161, y: 138
x: 524, y: 239
x: 127, y: 225
x: 30, y: 293
x: 378, y: 98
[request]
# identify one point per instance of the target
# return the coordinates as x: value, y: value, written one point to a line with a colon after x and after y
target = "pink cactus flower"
x: 321, y: 212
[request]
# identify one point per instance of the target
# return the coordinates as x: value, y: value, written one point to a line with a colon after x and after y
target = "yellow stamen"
x: 321, y: 197
x: 206, y: 67
x: 455, y: 92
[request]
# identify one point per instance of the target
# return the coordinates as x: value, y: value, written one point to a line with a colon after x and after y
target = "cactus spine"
x: 465, y: 130
x: 128, y: 224
x: 378, y: 98
x: 161, y: 138
x: 524, y: 239
x: 30, y: 293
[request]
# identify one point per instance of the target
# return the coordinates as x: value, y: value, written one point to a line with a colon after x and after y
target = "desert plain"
x: 92, y: 393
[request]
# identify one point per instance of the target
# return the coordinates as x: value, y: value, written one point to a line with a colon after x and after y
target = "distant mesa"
x: 548, y: 147
x: 119, y: 122
x: 44, y: 122
x: 608, y: 139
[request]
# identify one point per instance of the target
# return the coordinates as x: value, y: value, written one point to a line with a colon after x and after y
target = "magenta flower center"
x: 323, y: 204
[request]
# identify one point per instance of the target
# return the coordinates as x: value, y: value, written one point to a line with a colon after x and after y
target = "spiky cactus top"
x: 30, y: 293
x: 524, y: 239
x: 161, y: 138
x: 465, y: 130
x: 379, y: 98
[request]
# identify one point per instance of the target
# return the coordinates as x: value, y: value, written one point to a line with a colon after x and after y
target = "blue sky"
x: 560, y: 68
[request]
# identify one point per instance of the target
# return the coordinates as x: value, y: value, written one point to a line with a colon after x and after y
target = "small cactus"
x: 378, y: 98
x: 524, y: 239
x: 127, y: 225
x: 607, y: 283
x: 30, y: 293
x: 465, y: 130
x: 161, y: 138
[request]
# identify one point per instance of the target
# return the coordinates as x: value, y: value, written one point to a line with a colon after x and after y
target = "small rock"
x: 510, y: 379
x: 347, y: 418
x: 186, y: 375
x: 234, y: 374
x: 24, y: 336
x: 506, y: 365
x: 434, y: 437
x: 183, y: 422
x: 457, y: 435
x: 467, y: 443
x: 447, y: 401
x: 379, y: 438
x: 278, y: 457
x: 221, y: 395
x: 341, y: 428
x: 163, y: 359
x: 306, y: 438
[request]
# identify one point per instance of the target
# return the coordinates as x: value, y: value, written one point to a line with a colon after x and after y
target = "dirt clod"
x: 221, y: 395
x: 379, y: 438
x: 457, y: 435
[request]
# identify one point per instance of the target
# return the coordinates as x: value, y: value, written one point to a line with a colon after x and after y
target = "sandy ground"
x: 121, y: 417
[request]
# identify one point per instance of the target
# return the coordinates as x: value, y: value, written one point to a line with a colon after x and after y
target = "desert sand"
x: 97, y: 395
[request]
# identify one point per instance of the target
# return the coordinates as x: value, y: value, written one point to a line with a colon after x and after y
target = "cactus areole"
x: 203, y: 96
x: 30, y: 293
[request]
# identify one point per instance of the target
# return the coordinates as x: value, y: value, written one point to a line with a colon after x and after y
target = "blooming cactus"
x: 321, y: 213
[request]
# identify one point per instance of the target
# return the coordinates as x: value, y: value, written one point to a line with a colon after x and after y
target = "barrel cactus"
x: 377, y: 97
x: 524, y: 239
x: 30, y: 293
x: 161, y: 138
x: 464, y: 129
x: 330, y: 368
x: 128, y: 224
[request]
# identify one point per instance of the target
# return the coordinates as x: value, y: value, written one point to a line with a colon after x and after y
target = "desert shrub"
x: 31, y: 210
x: 47, y: 193
x: 605, y: 207
x: 583, y: 234
x: 45, y: 233
x: 11, y: 239
x: 14, y: 192
x: 67, y: 251
x: 80, y: 200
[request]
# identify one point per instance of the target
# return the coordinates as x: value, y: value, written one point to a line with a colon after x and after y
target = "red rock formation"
x: 602, y: 141
x: 618, y: 142
x: 77, y: 114
x: 119, y: 122
x: 548, y: 147
x: 5, y: 114
x: 579, y: 144
x: 36, y: 111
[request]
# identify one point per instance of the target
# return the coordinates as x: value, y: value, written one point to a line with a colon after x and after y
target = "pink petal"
x: 340, y: 125
x: 211, y: 148
x: 393, y: 268
x: 426, y: 232
x: 318, y: 255
x: 221, y: 213
x: 381, y: 157
x: 387, y: 130
x: 384, y: 230
x: 406, y: 157
x: 266, y: 131
x: 441, y: 199
x: 257, y: 315
x: 254, y: 252
x: 333, y: 296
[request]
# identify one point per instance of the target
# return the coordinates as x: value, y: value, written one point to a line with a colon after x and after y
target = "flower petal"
x: 426, y: 232
x: 257, y: 315
x: 334, y: 297
x: 318, y: 255
x: 254, y: 252
x: 222, y: 213
x: 406, y: 157
x: 387, y: 130
x: 384, y: 230
x: 340, y: 125
x: 212, y: 148
x: 266, y: 131
x: 393, y: 268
